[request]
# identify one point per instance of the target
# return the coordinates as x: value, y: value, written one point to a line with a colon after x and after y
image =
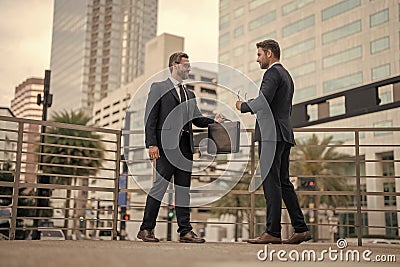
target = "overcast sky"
x: 25, y: 36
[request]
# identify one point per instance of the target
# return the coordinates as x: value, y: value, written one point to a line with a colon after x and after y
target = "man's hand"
x: 238, y: 105
x: 154, y: 153
x: 219, y: 118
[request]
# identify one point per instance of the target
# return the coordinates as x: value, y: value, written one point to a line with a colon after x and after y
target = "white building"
x: 24, y: 105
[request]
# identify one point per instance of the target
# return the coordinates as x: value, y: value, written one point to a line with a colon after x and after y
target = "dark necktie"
x: 185, y: 113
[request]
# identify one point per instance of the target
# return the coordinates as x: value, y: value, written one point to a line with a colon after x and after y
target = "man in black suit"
x: 276, y: 93
x: 170, y: 111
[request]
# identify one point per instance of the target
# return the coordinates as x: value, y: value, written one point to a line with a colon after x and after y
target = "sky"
x: 26, y: 28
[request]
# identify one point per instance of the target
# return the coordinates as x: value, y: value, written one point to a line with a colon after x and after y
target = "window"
x: 391, y: 224
x: 380, y: 72
x: 298, y: 48
x: 238, y: 12
x: 303, y: 70
x: 206, y: 79
x: 342, y: 57
x: 341, y: 32
x: 208, y: 91
x: 256, y: 3
x: 238, y: 51
x: 223, y: 39
x: 339, y: 8
x: 379, y: 18
x: 294, y: 5
x: 224, y: 58
x: 389, y: 187
x: 304, y: 93
x: 224, y: 22
x: 264, y: 19
x: 380, y: 44
x: 223, y: 4
x: 342, y: 82
x: 238, y: 31
x: 379, y: 124
x: 252, y: 43
x: 298, y: 26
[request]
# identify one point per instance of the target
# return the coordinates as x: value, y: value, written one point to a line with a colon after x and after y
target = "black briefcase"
x: 223, y: 137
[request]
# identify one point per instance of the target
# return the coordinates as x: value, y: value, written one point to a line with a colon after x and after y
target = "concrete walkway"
x: 165, y: 254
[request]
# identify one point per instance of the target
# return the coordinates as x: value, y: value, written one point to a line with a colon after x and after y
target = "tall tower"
x: 97, y: 46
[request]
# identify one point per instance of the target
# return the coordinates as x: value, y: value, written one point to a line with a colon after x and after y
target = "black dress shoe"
x: 147, y: 236
x: 265, y: 238
x: 298, y: 238
x: 191, y: 237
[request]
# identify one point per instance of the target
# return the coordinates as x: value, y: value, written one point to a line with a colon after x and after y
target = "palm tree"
x: 315, y: 149
x: 70, y: 150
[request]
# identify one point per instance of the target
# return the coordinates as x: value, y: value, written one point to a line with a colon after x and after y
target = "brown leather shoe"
x: 265, y: 238
x: 191, y: 237
x: 147, y: 236
x: 298, y: 238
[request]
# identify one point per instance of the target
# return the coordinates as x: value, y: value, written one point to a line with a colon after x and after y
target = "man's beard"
x: 264, y: 65
x: 183, y: 75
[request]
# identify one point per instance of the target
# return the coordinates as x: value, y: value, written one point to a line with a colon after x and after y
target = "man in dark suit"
x: 273, y: 107
x: 170, y: 111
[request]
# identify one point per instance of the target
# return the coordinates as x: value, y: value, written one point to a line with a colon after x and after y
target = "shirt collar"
x: 277, y: 62
x: 174, y: 81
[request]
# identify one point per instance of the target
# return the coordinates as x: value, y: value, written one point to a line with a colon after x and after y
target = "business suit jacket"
x: 277, y: 89
x: 164, y: 119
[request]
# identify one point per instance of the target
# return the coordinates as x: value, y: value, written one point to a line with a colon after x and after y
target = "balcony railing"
x: 356, y: 172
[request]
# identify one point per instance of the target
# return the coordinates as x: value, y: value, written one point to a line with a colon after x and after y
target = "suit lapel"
x: 172, y: 89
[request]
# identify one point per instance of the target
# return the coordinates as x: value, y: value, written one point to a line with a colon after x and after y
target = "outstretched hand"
x: 238, y: 104
x: 219, y: 118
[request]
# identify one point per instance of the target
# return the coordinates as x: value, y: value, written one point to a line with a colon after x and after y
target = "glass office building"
x: 97, y: 46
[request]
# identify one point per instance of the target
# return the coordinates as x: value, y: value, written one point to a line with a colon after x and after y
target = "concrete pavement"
x: 165, y: 254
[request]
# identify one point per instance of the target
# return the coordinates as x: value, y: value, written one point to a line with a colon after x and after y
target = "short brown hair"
x: 270, y: 45
x: 176, y: 57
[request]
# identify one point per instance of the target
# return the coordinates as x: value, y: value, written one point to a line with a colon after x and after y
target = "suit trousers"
x: 165, y: 171
x: 277, y: 186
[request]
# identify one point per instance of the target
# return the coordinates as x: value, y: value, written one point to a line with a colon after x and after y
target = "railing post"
x: 14, y: 209
x: 116, y: 185
x: 358, y: 189
x: 252, y: 194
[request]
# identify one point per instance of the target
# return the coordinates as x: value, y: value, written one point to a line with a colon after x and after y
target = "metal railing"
x: 87, y: 199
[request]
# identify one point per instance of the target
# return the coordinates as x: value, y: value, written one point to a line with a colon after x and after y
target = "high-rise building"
x: 24, y: 105
x: 327, y: 46
x: 330, y: 47
x: 97, y: 46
